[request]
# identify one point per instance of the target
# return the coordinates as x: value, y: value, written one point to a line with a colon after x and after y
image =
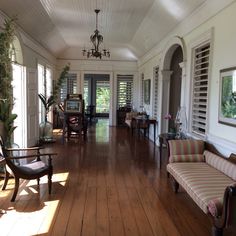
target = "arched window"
x: 19, y: 92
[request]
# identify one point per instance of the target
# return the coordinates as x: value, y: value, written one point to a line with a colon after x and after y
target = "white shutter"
x: 69, y: 86
x: 200, y: 88
x: 155, y: 103
x: 142, y: 90
x: 124, y: 90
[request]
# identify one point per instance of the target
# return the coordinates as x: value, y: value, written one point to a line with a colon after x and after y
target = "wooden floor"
x: 109, y: 185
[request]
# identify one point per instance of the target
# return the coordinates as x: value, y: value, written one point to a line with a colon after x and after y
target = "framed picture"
x: 146, y: 92
x: 227, y: 103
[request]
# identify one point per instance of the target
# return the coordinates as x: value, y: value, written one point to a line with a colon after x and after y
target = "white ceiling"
x: 130, y: 27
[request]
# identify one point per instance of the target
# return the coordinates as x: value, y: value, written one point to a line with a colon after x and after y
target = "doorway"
x: 172, y: 85
x: 175, y: 86
x: 97, y: 95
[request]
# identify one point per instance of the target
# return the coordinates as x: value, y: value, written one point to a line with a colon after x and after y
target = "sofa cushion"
x: 202, y: 182
x: 221, y: 164
x: 187, y: 158
x: 190, y: 146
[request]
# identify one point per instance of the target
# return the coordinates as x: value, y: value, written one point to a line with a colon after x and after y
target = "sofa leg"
x: 217, y: 231
x: 176, y: 186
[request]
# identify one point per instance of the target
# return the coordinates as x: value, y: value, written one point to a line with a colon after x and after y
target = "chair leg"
x: 38, y: 179
x: 217, y: 231
x: 15, y: 190
x: 5, y: 180
x: 49, y: 182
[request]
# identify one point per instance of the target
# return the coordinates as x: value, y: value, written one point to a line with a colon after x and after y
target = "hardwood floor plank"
x: 143, y: 224
x: 115, y: 218
x: 128, y: 217
x: 75, y: 221
x: 89, y: 219
x: 102, y: 227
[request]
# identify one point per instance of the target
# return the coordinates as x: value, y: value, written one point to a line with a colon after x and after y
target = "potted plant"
x: 45, y: 126
x: 6, y: 96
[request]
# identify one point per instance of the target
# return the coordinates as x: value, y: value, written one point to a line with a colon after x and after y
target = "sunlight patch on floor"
x: 14, y: 221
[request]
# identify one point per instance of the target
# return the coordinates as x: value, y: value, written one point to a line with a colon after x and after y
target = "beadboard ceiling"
x: 130, y: 27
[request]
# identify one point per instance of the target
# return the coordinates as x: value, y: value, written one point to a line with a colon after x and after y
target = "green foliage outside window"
x: 102, y: 99
x: 228, y: 102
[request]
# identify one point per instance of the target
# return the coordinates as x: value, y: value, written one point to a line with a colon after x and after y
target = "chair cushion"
x: 201, y: 181
x: 221, y: 164
x: 187, y: 158
x: 190, y: 146
x: 33, y: 168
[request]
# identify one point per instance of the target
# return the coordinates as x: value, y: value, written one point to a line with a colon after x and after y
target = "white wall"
x: 219, y: 22
x: 81, y: 67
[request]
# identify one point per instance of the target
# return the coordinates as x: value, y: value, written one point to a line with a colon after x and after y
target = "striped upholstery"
x: 187, y: 158
x: 201, y: 181
x: 221, y: 164
x: 185, y: 147
x: 215, y: 206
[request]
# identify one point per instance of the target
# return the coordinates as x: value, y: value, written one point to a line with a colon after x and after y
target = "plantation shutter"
x: 86, y: 89
x: 124, y: 90
x: 155, y: 103
x: 69, y: 86
x: 200, y: 88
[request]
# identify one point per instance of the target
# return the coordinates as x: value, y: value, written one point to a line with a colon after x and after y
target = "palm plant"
x: 52, y: 99
x: 6, y: 97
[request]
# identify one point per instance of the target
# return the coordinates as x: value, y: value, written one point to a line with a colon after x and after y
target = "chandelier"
x: 96, y: 40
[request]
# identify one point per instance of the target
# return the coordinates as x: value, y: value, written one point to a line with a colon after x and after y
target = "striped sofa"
x: 208, y: 178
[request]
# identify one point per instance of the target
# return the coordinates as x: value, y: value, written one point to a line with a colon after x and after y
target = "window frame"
x: 202, y: 40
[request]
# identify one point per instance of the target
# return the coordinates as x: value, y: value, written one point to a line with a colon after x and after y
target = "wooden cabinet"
x: 121, y: 114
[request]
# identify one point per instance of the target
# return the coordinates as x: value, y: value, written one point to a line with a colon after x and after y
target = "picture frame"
x: 227, y: 98
x: 146, y: 91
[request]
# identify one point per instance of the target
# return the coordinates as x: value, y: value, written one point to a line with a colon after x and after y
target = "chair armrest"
x: 187, y: 158
x: 24, y: 149
x: 30, y: 156
x: 2, y: 161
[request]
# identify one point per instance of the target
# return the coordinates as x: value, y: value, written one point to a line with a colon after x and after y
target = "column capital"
x: 166, y: 73
x: 182, y: 65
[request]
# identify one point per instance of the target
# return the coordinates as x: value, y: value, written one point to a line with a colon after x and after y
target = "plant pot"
x: 46, y: 131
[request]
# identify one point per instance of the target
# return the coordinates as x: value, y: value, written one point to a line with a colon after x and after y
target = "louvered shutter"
x: 69, y: 86
x: 124, y: 90
x: 155, y: 103
x: 200, y: 88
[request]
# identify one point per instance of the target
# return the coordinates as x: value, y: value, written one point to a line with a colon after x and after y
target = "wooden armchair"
x: 32, y: 170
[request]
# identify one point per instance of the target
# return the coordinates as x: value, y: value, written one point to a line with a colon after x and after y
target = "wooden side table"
x: 143, y: 123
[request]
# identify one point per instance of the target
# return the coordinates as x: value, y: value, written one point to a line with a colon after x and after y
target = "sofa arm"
x: 187, y: 158
x: 215, y: 207
x: 225, y: 216
x: 186, y: 147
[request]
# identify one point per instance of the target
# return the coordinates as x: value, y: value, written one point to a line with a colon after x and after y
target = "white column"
x: 182, y: 65
x: 165, y: 85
